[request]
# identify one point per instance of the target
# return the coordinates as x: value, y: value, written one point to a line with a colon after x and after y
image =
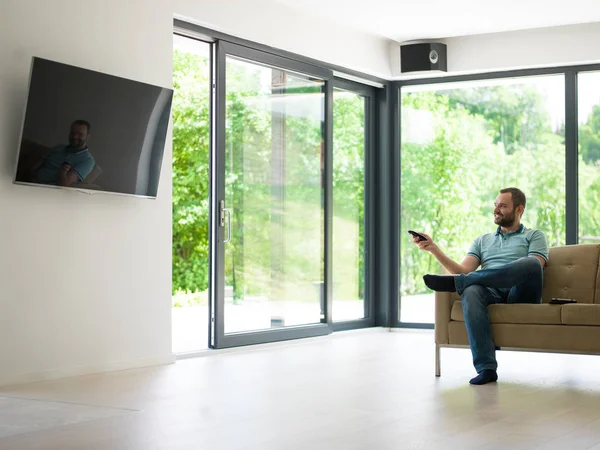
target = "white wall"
x: 276, y: 25
x: 84, y: 280
x: 554, y: 46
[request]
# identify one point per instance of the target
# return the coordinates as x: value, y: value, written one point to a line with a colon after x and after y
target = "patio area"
x: 190, y: 323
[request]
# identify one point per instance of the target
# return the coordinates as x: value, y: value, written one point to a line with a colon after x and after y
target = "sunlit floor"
x: 190, y: 323
x: 367, y: 389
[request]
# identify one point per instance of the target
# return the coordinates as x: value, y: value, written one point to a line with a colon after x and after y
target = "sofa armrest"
x: 443, y: 307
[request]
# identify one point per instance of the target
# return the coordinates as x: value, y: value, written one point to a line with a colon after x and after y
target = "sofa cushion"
x: 95, y: 173
x: 536, y: 337
x: 523, y: 313
x: 580, y: 314
x: 571, y: 273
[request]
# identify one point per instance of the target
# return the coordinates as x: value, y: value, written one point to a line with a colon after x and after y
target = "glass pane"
x: 589, y: 157
x: 274, y: 188
x: 461, y: 144
x: 348, y: 205
x: 191, y: 146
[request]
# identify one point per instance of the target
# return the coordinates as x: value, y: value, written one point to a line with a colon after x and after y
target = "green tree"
x: 514, y: 114
x: 273, y: 186
x: 441, y: 189
x: 589, y: 137
x: 348, y: 195
x: 459, y: 148
x: 190, y: 171
x: 589, y: 177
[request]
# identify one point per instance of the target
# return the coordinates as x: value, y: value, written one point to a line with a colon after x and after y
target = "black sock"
x: 484, y: 377
x: 440, y: 283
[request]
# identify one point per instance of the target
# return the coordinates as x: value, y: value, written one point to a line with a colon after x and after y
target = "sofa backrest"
x: 572, y: 272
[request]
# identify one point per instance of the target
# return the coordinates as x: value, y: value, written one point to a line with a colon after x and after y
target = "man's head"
x: 80, y: 132
x: 509, y: 207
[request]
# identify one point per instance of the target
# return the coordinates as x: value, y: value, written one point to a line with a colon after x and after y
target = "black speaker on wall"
x: 423, y: 57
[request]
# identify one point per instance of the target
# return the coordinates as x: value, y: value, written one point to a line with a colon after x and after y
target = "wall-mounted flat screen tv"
x: 92, y: 131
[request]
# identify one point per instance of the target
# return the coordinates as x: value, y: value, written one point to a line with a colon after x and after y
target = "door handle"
x: 222, y: 219
x: 228, y: 226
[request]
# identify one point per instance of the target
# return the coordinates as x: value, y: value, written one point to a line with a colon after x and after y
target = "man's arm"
x: 469, y: 263
x: 538, y: 247
x: 540, y: 259
x: 67, y: 176
x: 83, y: 169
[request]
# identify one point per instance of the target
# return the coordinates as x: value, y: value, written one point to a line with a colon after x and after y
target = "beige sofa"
x: 573, y: 272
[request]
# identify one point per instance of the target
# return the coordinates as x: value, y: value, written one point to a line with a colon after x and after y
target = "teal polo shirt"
x: 81, y: 162
x: 497, y: 249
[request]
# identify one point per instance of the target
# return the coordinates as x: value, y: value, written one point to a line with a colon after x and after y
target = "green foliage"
x: 589, y: 177
x: 589, y: 138
x: 515, y: 114
x: 482, y: 139
x: 273, y: 187
x: 190, y: 172
x: 348, y: 195
x: 459, y: 148
x: 440, y: 183
x: 277, y: 232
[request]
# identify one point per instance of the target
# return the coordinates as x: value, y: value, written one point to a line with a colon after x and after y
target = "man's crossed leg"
x: 520, y: 281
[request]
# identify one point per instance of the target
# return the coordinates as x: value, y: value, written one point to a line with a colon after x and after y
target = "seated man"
x: 65, y: 165
x: 512, y: 260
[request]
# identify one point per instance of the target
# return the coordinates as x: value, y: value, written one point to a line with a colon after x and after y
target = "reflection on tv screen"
x: 93, y: 131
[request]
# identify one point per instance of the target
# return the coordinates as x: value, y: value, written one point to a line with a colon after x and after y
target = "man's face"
x: 504, y: 211
x: 78, y: 136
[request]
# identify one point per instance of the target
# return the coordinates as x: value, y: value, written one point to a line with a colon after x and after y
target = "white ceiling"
x: 404, y: 20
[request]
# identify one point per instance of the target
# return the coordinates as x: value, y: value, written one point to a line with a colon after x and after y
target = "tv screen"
x: 92, y: 131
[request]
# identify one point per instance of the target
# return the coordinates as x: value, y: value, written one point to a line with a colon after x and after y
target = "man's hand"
x: 468, y: 264
x: 427, y: 245
x: 67, y: 177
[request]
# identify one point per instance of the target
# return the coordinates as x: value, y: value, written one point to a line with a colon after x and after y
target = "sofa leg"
x: 437, y: 360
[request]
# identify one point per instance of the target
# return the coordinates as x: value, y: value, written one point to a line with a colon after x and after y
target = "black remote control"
x: 417, y: 235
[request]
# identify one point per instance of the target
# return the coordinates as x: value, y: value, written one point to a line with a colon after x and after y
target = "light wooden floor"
x: 356, y: 390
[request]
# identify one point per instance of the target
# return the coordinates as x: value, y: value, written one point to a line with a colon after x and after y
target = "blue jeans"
x: 517, y: 282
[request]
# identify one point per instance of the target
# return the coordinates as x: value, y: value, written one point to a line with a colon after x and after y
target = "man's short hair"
x: 84, y: 123
x: 518, y: 197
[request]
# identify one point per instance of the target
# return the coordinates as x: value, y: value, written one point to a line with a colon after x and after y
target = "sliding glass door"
x: 270, y: 225
x: 288, y: 196
x: 353, y: 145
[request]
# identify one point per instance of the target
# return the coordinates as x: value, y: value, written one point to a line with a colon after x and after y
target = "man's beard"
x: 506, y: 221
x: 76, y: 144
